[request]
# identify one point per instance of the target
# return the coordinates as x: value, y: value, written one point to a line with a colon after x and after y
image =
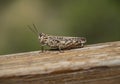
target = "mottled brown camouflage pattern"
x: 61, y: 42
x: 58, y: 42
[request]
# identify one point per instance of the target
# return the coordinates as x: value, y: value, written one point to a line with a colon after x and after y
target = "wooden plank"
x: 93, y: 64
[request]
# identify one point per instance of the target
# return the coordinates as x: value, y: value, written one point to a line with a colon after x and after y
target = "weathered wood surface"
x: 93, y: 64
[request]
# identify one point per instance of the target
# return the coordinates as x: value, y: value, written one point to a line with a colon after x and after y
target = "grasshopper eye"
x: 41, y: 34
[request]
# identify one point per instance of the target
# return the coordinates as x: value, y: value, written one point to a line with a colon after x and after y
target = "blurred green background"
x: 97, y: 20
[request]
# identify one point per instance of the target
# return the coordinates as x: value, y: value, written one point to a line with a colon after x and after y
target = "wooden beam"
x: 93, y: 64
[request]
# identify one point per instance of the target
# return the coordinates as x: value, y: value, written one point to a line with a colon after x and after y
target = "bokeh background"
x: 97, y: 20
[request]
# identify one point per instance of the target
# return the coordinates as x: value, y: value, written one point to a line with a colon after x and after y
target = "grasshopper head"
x: 42, y: 36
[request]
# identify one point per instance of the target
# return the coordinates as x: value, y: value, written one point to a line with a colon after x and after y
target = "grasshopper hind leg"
x: 60, y: 49
x: 82, y: 45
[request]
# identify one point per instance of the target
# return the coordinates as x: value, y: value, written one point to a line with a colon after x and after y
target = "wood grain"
x: 93, y: 64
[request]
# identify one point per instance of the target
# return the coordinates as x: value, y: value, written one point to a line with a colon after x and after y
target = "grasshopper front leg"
x: 42, y: 48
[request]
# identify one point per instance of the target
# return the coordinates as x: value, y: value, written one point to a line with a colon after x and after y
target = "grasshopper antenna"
x: 34, y: 31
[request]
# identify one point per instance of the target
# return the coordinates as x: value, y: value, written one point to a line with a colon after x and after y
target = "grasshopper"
x: 58, y: 42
